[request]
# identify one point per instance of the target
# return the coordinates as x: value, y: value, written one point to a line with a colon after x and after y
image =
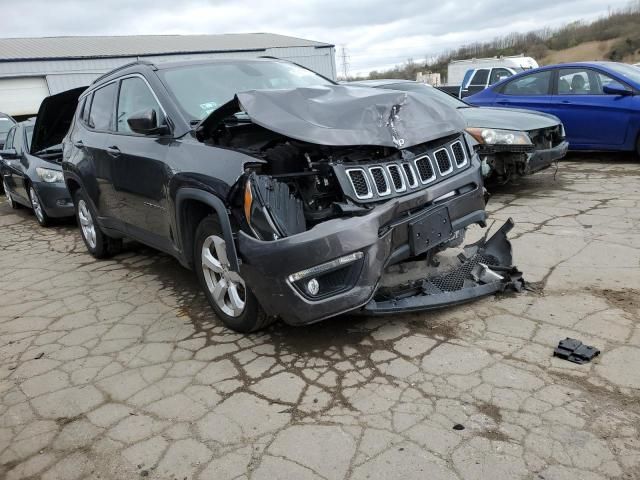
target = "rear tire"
x: 38, y: 210
x: 7, y: 193
x: 98, y: 243
x: 638, y: 146
x: 232, y: 301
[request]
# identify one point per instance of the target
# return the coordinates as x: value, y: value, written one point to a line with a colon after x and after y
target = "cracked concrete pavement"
x: 117, y: 369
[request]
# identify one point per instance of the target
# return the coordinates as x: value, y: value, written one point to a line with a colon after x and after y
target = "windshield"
x: 627, y: 71
x: 200, y: 89
x: 429, y: 92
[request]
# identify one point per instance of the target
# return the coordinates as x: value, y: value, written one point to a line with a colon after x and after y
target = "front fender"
x: 218, y: 205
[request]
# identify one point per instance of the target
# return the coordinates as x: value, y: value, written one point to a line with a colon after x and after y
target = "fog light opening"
x: 313, y: 287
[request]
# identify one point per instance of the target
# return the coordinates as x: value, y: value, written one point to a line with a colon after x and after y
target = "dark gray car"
x: 290, y: 196
x: 30, y: 163
x: 510, y: 142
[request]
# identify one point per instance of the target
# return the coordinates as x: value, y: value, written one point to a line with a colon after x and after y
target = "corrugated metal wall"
x: 65, y: 74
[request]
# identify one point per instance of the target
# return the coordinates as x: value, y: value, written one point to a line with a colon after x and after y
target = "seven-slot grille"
x: 377, y: 181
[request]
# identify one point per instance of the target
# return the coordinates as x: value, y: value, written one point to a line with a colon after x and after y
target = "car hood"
x: 507, y: 118
x: 54, y: 119
x: 339, y: 115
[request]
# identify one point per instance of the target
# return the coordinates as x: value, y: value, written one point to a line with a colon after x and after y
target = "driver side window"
x: 135, y: 97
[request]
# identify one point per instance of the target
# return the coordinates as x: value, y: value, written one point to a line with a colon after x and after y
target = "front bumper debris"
x: 541, y: 159
x: 383, y: 237
x: 504, y: 161
x: 484, y: 268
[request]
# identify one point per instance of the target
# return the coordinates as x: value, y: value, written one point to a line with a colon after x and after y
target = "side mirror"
x: 145, y: 122
x: 615, y: 88
x: 9, y: 153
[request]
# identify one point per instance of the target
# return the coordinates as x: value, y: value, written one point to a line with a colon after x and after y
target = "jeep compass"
x: 290, y: 196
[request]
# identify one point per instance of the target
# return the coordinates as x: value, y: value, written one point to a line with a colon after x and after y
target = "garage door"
x: 22, y: 95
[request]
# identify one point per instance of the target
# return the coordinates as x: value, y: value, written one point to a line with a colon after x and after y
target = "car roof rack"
x: 122, y: 67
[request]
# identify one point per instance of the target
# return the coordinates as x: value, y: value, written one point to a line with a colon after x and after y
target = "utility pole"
x: 344, y: 58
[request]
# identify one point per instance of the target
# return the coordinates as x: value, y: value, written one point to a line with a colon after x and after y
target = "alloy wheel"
x: 226, y: 287
x: 86, y: 223
x: 35, y: 203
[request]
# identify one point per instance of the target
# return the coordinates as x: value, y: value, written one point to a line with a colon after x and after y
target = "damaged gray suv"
x: 290, y: 196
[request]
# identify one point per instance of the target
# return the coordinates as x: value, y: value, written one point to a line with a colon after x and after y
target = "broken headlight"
x: 492, y: 136
x: 270, y: 208
x: 329, y: 278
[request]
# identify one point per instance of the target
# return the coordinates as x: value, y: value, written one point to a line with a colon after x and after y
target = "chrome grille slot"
x: 410, y: 174
x: 360, y: 183
x: 396, y: 178
x: 443, y: 161
x: 380, y: 180
x: 425, y: 169
x: 459, y: 154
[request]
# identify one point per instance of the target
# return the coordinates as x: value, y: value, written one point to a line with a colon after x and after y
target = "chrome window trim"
x: 386, y: 181
x: 464, y: 152
x: 433, y: 177
x: 446, y: 172
x: 366, y: 180
x: 403, y: 187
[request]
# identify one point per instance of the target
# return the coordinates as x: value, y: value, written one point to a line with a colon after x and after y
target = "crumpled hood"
x: 54, y: 119
x: 340, y: 115
x: 507, y: 118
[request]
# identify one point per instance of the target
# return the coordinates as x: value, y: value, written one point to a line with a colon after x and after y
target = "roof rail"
x: 122, y: 67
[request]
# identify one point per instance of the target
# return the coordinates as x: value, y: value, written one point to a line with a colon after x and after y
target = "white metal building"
x: 33, y: 68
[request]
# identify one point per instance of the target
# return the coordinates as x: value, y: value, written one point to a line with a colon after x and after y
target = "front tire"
x: 38, y: 210
x: 233, y: 302
x: 98, y: 244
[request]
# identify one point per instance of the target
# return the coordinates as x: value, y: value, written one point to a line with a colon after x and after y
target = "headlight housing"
x: 49, y: 176
x: 492, y: 136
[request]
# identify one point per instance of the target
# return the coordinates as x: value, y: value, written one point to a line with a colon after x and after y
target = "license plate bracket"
x: 429, y: 230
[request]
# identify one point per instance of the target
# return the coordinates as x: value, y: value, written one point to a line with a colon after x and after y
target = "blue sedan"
x: 598, y: 102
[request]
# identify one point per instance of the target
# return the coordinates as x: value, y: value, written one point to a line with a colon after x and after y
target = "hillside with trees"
x: 615, y: 36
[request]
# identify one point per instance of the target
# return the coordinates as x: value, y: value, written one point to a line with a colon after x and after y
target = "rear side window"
x: 480, y: 78
x: 135, y: 97
x: 530, y: 85
x: 101, y: 113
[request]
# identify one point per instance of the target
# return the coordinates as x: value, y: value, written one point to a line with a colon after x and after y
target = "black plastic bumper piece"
x: 541, y: 159
x: 485, y: 268
x: 575, y: 351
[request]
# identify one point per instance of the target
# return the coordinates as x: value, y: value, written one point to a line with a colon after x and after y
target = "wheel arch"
x: 192, y: 205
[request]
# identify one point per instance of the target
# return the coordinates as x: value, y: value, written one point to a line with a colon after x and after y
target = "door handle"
x: 566, y: 102
x: 113, y: 151
x: 78, y: 144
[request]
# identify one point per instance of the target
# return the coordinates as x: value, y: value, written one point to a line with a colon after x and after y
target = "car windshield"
x: 627, y: 71
x: 28, y: 132
x: 429, y: 92
x: 200, y: 89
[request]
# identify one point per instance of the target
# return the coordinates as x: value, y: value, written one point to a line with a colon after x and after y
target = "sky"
x: 376, y: 34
